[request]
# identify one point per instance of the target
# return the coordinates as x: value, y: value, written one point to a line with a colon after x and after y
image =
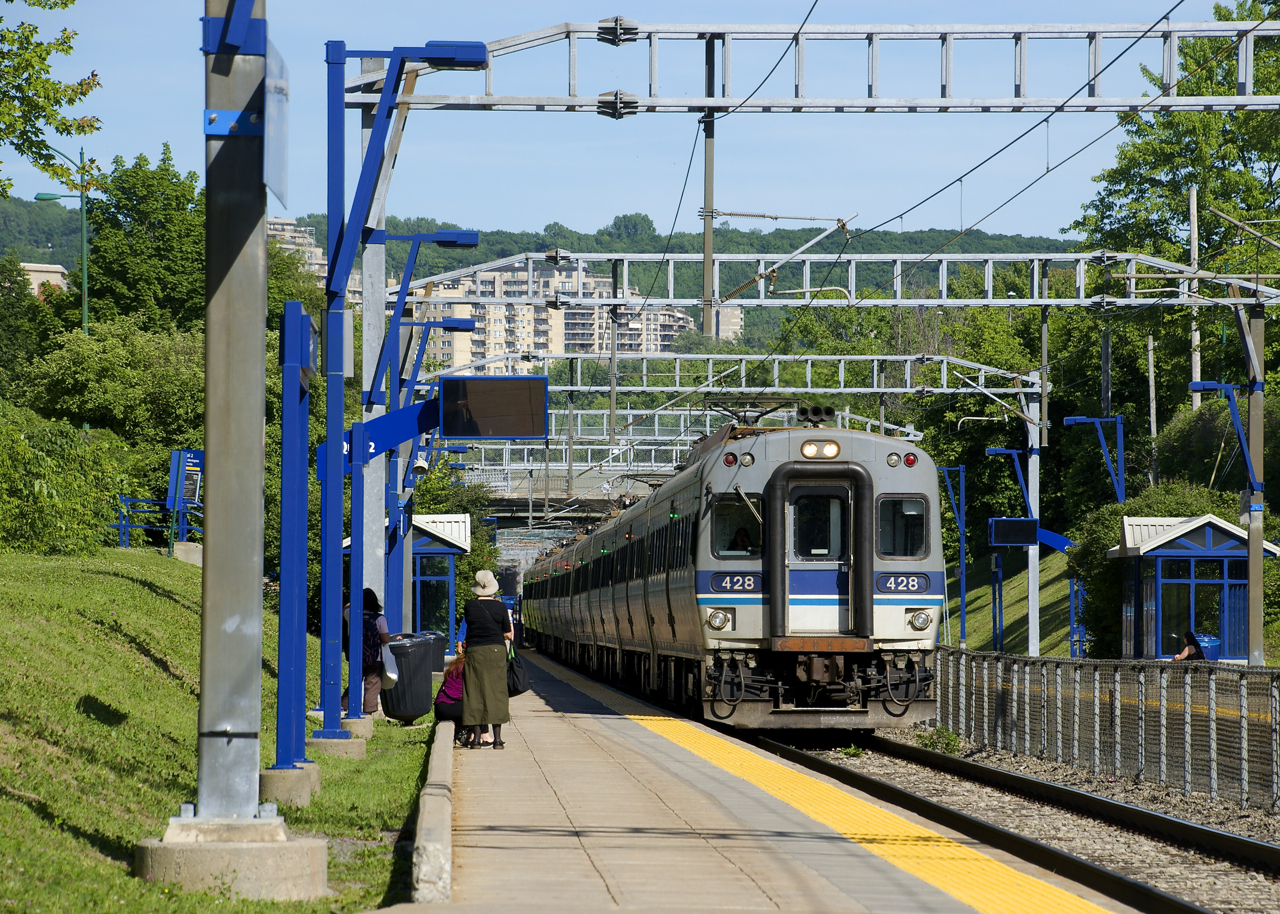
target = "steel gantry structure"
x: 388, y: 88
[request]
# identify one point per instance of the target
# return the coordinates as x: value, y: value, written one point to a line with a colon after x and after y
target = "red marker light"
x: 910, y: 460
x: 730, y: 459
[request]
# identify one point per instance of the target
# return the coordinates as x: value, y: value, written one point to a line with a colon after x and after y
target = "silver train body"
x: 784, y: 578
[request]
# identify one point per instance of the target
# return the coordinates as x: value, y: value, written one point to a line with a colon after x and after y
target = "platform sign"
x: 508, y: 407
x: 186, y: 477
x: 275, y: 154
x: 1013, y: 531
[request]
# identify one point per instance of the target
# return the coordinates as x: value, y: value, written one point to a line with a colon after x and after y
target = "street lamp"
x: 84, y: 237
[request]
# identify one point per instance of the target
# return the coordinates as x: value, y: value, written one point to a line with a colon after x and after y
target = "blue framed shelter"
x: 436, y: 542
x: 1184, y: 574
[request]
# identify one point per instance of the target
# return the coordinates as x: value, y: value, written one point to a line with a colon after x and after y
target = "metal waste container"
x: 412, y: 696
x: 439, y: 644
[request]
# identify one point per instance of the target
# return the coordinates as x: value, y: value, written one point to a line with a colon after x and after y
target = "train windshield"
x: 821, y: 527
x: 736, y: 532
x: 902, y: 527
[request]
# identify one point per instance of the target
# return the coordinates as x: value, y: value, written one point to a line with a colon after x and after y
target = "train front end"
x: 820, y: 581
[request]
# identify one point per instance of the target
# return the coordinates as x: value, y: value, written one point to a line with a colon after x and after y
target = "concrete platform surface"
x: 602, y: 803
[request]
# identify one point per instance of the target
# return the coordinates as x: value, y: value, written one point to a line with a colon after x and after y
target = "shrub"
x: 939, y: 739
x: 58, y: 484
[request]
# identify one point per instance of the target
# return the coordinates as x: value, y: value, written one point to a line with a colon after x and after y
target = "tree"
x: 147, y: 256
x: 31, y: 101
x: 25, y: 322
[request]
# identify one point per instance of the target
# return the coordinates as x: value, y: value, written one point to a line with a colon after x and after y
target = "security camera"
x: 420, y: 467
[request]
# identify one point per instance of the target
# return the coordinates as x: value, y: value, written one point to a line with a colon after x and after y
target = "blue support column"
x: 1116, y: 470
x: 453, y: 616
x: 332, y: 473
x: 957, y: 508
x: 291, y: 653
x: 396, y: 529
x: 355, y: 626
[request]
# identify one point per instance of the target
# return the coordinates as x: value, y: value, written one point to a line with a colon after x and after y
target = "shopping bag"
x: 517, y: 678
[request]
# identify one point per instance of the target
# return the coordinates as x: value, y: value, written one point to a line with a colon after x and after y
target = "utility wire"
x: 777, y: 63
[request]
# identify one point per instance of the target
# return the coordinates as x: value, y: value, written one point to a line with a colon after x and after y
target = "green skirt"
x: 484, y: 686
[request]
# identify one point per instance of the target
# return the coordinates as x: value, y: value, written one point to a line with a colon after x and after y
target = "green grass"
x: 99, y: 686
x: 1055, y: 611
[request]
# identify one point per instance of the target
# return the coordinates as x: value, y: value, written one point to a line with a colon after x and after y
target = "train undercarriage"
x: 766, y: 689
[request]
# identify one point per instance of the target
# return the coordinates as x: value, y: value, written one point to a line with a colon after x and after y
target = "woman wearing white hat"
x: 484, y: 678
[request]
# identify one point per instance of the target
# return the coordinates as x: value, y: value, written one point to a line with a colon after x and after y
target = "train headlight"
x: 747, y: 460
x: 718, y: 619
x: 820, y: 450
x: 893, y: 460
x: 920, y: 620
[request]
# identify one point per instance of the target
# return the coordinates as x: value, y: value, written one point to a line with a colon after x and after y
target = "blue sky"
x: 524, y: 170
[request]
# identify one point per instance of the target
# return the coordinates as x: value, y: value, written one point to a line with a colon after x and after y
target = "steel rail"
x: 1216, y: 842
x: 1114, y: 885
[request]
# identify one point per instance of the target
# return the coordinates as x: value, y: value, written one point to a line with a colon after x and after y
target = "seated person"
x: 741, y: 541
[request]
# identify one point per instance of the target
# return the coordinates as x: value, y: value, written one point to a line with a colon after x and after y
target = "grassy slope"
x: 1055, y: 613
x: 99, y: 685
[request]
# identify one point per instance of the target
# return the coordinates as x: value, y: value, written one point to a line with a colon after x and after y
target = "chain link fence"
x: 1205, y: 727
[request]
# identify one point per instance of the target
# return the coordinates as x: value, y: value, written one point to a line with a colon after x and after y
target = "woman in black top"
x: 484, y: 678
x: 1191, y: 649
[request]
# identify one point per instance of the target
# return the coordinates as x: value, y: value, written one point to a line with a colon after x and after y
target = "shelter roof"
x: 450, y: 529
x: 1207, y: 533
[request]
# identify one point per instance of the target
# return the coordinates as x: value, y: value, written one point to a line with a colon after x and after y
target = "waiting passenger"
x: 1191, y: 649
x: 484, y: 681
x: 741, y: 541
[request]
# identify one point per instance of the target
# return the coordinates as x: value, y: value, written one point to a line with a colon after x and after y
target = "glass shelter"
x: 1184, y: 574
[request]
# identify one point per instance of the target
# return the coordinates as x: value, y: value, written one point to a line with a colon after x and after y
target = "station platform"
x: 601, y: 802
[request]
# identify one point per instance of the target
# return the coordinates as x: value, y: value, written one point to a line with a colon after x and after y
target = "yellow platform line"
x: 962, y: 872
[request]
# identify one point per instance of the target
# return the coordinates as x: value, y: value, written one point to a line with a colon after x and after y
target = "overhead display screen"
x: 511, y: 407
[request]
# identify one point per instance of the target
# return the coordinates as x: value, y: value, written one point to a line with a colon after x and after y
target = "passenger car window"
x: 735, y: 530
x: 821, y: 527
x: 902, y: 527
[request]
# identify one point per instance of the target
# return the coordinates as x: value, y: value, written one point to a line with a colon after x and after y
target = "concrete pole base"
x: 285, y: 786
x: 313, y: 772
x: 361, y: 727
x: 341, y: 748
x: 296, y: 869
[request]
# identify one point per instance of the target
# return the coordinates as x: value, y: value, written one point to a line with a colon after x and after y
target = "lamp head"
x: 420, y: 467
x: 45, y: 197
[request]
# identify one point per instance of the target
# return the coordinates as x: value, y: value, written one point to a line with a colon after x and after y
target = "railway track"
x: 1135, y: 856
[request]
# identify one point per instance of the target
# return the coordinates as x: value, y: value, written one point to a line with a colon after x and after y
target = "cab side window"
x: 902, y: 527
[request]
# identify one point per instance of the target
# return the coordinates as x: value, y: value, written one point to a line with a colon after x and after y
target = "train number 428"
x: 903, y: 583
x: 736, y: 582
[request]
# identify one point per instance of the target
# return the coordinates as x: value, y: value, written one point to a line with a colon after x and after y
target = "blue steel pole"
x: 293, y: 470
x: 355, y: 627
x: 1120, y: 456
x: 300, y: 523
x: 395, y: 553
x: 453, y: 630
x: 331, y: 507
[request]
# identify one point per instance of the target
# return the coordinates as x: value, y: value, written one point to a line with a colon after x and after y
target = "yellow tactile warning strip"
x: 966, y: 874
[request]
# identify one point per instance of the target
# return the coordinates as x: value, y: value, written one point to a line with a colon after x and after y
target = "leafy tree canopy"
x: 31, y: 101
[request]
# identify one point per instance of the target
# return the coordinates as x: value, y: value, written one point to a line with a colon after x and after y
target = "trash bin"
x: 439, y: 642
x: 1210, y: 645
x: 412, y: 696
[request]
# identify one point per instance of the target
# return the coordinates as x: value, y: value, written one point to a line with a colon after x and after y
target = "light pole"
x: 84, y: 238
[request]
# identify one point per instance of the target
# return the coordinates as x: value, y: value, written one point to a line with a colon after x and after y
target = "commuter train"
x: 785, y: 577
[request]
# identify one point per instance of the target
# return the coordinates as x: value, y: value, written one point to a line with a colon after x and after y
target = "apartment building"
x: 501, y: 326
x: 301, y: 239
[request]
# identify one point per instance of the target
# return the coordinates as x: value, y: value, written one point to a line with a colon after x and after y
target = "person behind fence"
x: 484, y: 678
x: 1191, y: 648
x: 374, y: 634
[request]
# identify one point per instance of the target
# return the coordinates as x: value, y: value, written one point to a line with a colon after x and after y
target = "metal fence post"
x: 1142, y: 723
x: 1026, y: 708
x: 1115, y: 721
x: 1164, y: 727
x: 963, y: 664
x: 999, y: 704
x: 1075, y: 718
x: 1097, y: 718
x: 1044, y: 710
x: 1186, y: 732
x: 1057, y: 698
x: 986, y: 701
x: 1213, y: 735
x: 1013, y: 707
x: 1244, y: 742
